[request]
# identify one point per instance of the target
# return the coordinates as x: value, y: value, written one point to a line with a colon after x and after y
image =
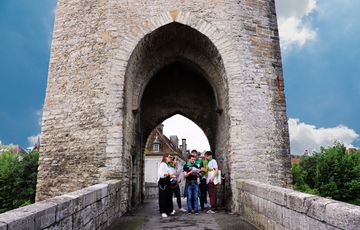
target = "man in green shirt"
x: 202, y: 179
x: 191, y: 173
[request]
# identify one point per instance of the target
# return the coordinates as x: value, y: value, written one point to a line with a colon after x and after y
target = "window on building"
x: 156, y: 147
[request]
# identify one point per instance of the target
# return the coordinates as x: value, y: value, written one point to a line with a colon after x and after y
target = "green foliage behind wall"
x: 18, y: 173
x: 332, y: 172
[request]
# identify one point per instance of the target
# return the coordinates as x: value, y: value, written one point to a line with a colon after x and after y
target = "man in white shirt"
x: 212, y: 170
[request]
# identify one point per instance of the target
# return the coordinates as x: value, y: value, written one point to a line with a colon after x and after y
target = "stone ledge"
x: 343, y: 215
x: 319, y: 212
x: 18, y: 218
x: 3, y: 226
x: 82, y: 206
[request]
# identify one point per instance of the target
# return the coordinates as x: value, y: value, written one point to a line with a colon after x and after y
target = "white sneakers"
x: 173, y: 212
x: 210, y: 212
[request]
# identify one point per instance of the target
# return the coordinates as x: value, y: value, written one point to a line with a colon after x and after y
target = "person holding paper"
x: 213, y: 169
x: 191, y: 173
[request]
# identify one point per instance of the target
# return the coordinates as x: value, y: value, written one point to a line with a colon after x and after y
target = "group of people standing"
x: 200, y: 175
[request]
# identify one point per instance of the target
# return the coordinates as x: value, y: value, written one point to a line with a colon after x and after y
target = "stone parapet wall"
x: 94, y: 207
x: 271, y: 207
x: 151, y: 190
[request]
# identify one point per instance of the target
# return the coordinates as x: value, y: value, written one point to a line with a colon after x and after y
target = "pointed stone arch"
x: 175, y: 42
x: 103, y: 59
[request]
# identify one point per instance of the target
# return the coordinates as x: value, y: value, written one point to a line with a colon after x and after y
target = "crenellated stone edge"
x: 272, y: 207
x: 94, y: 207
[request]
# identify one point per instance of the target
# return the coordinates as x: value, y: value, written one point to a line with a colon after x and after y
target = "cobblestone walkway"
x: 147, y: 217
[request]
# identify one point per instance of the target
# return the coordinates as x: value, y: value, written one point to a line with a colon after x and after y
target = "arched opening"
x: 177, y: 136
x: 173, y: 70
x: 179, y: 88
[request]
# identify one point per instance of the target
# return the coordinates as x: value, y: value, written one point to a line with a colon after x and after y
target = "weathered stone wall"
x: 94, y: 207
x: 151, y: 190
x: 271, y: 207
x: 104, y: 54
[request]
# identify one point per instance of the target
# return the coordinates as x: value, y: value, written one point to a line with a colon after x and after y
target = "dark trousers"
x: 176, y: 191
x: 165, y: 196
x: 212, y: 195
x: 203, y: 190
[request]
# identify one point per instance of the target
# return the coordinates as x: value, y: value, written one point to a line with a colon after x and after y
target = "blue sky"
x: 321, y: 60
x: 26, y: 28
x: 320, y: 43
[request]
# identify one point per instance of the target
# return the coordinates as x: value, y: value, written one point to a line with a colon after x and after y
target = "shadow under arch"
x: 170, y: 43
x: 179, y: 89
x: 173, y: 70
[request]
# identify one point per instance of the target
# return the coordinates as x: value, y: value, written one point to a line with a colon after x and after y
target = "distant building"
x: 36, y: 147
x: 15, y: 149
x: 352, y: 150
x: 295, y: 159
x: 157, y: 144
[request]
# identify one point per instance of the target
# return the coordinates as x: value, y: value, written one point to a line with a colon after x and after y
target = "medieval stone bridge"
x: 118, y: 68
x: 264, y: 206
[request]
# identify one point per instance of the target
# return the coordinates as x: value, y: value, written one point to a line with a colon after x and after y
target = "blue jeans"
x: 192, y: 193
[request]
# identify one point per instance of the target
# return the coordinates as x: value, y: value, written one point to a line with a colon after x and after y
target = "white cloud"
x: 302, y: 136
x: 48, y: 23
x: 293, y: 29
x: 32, y: 140
x: 185, y: 128
x: 39, y: 117
x: 308, y: 137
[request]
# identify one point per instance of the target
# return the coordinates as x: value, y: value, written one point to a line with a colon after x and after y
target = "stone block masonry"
x: 106, y: 53
x: 94, y: 207
x: 151, y: 190
x: 265, y: 206
x: 271, y: 207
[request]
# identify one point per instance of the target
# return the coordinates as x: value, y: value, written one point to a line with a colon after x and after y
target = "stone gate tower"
x: 119, y: 68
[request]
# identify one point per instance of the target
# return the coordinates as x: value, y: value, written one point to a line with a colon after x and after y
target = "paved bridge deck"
x: 147, y: 217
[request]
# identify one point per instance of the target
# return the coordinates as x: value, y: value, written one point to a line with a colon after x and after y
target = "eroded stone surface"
x: 94, y: 207
x: 103, y: 57
x: 300, y: 211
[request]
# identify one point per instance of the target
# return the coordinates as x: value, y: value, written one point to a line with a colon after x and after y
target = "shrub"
x: 18, y: 173
x: 333, y: 173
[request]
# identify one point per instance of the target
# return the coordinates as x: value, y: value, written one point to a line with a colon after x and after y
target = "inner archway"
x: 173, y: 70
x: 179, y: 88
x: 177, y: 136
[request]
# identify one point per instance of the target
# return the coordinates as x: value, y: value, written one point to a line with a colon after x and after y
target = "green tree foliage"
x: 299, y: 178
x: 18, y: 174
x: 332, y: 173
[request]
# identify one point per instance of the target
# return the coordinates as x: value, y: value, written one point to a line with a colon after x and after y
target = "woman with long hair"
x: 165, y: 192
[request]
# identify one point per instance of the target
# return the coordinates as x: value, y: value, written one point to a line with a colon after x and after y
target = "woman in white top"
x: 165, y: 192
